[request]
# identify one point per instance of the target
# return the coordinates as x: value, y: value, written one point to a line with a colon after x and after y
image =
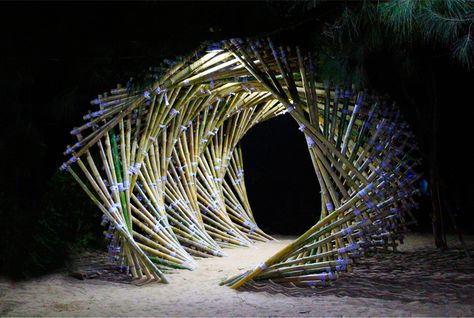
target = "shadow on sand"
x: 423, y: 276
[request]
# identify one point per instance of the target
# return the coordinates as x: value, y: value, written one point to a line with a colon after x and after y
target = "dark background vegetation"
x: 55, y: 57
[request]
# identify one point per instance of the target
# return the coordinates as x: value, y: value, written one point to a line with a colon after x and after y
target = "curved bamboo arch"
x: 164, y: 165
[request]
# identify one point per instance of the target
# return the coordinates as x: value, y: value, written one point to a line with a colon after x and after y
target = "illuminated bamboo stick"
x: 164, y: 164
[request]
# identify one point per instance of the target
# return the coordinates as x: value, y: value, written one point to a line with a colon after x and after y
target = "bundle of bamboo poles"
x: 165, y: 167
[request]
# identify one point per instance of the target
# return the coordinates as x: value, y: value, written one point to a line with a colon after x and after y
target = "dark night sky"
x: 56, y: 57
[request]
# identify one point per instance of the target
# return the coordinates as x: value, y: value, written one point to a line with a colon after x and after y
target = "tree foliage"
x: 361, y: 26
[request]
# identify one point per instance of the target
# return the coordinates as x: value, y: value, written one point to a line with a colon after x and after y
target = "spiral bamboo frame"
x: 164, y: 165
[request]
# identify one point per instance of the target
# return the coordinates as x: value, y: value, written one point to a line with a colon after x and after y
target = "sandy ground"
x: 417, y: 281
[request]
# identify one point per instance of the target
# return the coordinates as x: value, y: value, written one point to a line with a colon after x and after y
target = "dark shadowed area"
x: 280, y: 176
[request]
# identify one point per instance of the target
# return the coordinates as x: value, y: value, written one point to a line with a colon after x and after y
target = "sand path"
x: 417, y: 281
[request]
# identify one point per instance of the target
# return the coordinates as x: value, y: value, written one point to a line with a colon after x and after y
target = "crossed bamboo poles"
x: 164, y: 165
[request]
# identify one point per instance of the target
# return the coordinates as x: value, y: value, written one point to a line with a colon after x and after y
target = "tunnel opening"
x: 281, y: 183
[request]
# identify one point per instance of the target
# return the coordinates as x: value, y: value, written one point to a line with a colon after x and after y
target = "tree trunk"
x: 437, y: 216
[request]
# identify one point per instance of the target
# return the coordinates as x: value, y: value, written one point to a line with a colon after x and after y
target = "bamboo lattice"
x: 164, y: 165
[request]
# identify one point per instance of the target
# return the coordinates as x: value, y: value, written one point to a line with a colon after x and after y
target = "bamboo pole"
x: 164, y: 165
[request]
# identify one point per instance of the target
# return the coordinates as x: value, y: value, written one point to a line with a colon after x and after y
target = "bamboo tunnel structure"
x: 164, y: 165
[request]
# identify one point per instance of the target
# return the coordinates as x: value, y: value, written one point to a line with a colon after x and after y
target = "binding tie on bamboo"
x: 165, y: 167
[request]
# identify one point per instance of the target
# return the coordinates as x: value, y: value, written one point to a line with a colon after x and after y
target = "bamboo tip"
x: 190, y: 265
x: 222, y: 254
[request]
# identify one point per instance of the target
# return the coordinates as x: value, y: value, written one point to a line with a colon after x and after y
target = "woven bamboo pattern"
x: 164, y: 165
